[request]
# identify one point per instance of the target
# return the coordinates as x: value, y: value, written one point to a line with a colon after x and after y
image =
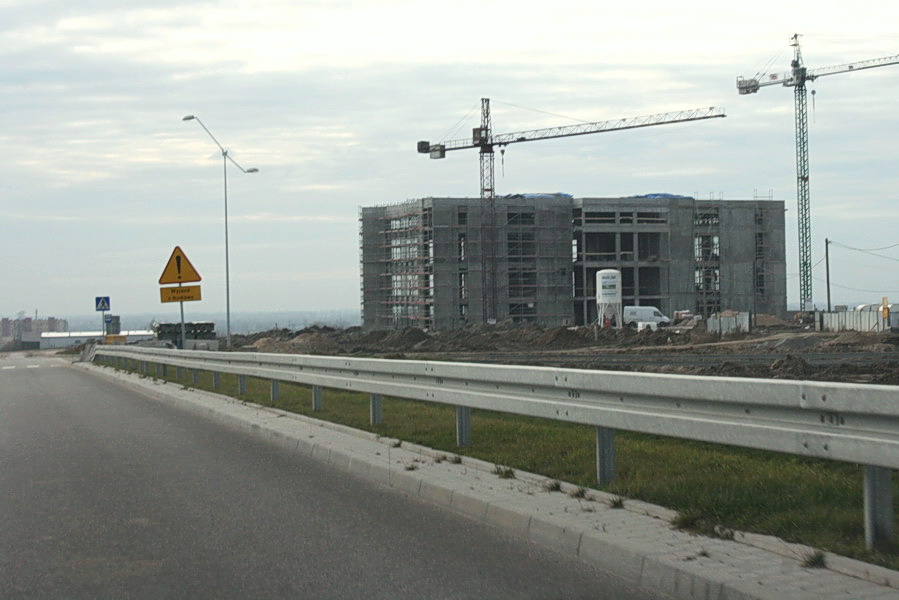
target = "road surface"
x: 105, y: 493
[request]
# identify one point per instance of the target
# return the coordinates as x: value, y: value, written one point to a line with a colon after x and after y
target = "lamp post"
x: 225, y: 158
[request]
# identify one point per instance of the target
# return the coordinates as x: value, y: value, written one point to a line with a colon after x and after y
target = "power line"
x: 870, y: 251
x: 846, y: 287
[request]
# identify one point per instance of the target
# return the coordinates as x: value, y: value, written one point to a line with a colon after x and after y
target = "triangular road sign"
x: 179, y: 269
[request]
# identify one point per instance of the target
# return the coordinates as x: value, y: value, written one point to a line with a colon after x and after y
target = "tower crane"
x: 796, y: 78
x: 484, y: 139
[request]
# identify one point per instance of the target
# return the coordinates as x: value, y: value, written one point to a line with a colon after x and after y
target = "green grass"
x: 810, y: 501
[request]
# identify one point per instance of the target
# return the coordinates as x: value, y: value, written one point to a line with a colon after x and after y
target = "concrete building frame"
x: 444, y: 263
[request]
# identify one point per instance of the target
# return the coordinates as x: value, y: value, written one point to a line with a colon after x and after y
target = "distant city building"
x: 15, y: 328
x: 68, y: 339
x: 443, y: 263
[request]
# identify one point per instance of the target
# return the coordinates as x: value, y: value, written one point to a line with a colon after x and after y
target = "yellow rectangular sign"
x: 186, y: 293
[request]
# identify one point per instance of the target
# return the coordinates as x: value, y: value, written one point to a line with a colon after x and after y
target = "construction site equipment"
x: 484, y: 139
x: 796, y: 78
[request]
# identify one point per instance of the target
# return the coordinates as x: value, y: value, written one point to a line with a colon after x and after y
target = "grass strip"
x: 714, y: 488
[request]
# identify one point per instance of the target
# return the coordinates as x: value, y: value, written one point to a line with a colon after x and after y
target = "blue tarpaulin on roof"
x: 539, y: 196
x: 665, y: 197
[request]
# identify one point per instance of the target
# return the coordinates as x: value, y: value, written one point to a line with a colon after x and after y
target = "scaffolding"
x: 707, y: 259
x: 444, y: 264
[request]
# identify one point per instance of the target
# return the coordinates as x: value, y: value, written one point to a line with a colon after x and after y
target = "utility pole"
x: 827, y: 269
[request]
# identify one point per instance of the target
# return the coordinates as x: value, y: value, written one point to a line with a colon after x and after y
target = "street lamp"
x: 225, y: 158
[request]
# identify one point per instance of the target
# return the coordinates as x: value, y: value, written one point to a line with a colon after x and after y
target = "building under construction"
x: 443, y: 263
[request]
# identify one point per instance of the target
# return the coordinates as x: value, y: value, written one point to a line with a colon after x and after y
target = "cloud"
x: 328, y: 99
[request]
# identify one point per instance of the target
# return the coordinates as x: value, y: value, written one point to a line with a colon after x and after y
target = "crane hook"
x: 813, y: 106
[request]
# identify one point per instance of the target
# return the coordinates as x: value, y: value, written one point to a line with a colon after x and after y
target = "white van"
x: 644, y: 314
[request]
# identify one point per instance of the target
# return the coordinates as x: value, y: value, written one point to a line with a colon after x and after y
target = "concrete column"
x: 317, y: 397
x: 605, y: 455
x: 374, y: 410
x: 878, y: 486
x: 463, y: 426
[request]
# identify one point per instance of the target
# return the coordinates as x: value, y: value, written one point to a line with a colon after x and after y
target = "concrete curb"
x: 637, y: 544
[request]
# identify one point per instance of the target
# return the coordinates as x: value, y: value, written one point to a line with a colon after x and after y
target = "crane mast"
x: 803, y: 193
x: 796, y: 78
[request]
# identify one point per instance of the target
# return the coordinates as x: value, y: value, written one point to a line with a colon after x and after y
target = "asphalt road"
x: 105, y: 493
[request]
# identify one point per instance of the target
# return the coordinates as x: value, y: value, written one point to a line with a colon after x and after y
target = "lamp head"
x: 188, y: 118
x: 252, y: 170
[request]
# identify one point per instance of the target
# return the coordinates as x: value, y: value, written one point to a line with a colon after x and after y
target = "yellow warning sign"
x: 179, y: 269
x: 186, y: 293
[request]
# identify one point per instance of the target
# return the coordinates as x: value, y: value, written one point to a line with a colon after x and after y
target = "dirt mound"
x: 888, y: 374
x: 314, y: 343
x: 763, y: 320
x: 790, y: 367
x: 730, y: 369
x: 591, y: 348
x: 863, y: 341
x: 851, y: 338
x: 558, y: 338
x: 267, y: 344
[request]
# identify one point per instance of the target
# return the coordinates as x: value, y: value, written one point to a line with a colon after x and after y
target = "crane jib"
x: 503, y: 139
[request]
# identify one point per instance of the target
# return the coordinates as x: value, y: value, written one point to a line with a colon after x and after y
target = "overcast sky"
x: 100, y: 177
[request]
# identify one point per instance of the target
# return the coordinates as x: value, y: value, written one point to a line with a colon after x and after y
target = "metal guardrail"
x: 843, y: 422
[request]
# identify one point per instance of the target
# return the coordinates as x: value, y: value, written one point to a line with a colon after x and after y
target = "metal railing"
x: 844, y: 422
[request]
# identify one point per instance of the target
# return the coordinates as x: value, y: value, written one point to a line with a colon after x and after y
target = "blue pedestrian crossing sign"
x: 101, y: 303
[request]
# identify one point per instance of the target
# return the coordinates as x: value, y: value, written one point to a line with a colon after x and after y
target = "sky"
x: 100, y: 178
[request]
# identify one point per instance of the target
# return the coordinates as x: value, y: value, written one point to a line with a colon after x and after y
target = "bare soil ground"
x: 778, y: 350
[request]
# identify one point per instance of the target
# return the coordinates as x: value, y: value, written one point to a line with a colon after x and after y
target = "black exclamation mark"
x: 178, y: 265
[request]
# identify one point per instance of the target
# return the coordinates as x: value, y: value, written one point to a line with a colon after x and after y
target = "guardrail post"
x: 374, y: 409
x: 216, y: 380
x: 317, y: 397
x: 195, y: 376
x: 241, y: 384
x: 463, y: 426
x: 179, y: 373
x: 878, y: 485
x: 605, y: 455
x: 275, y: 391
